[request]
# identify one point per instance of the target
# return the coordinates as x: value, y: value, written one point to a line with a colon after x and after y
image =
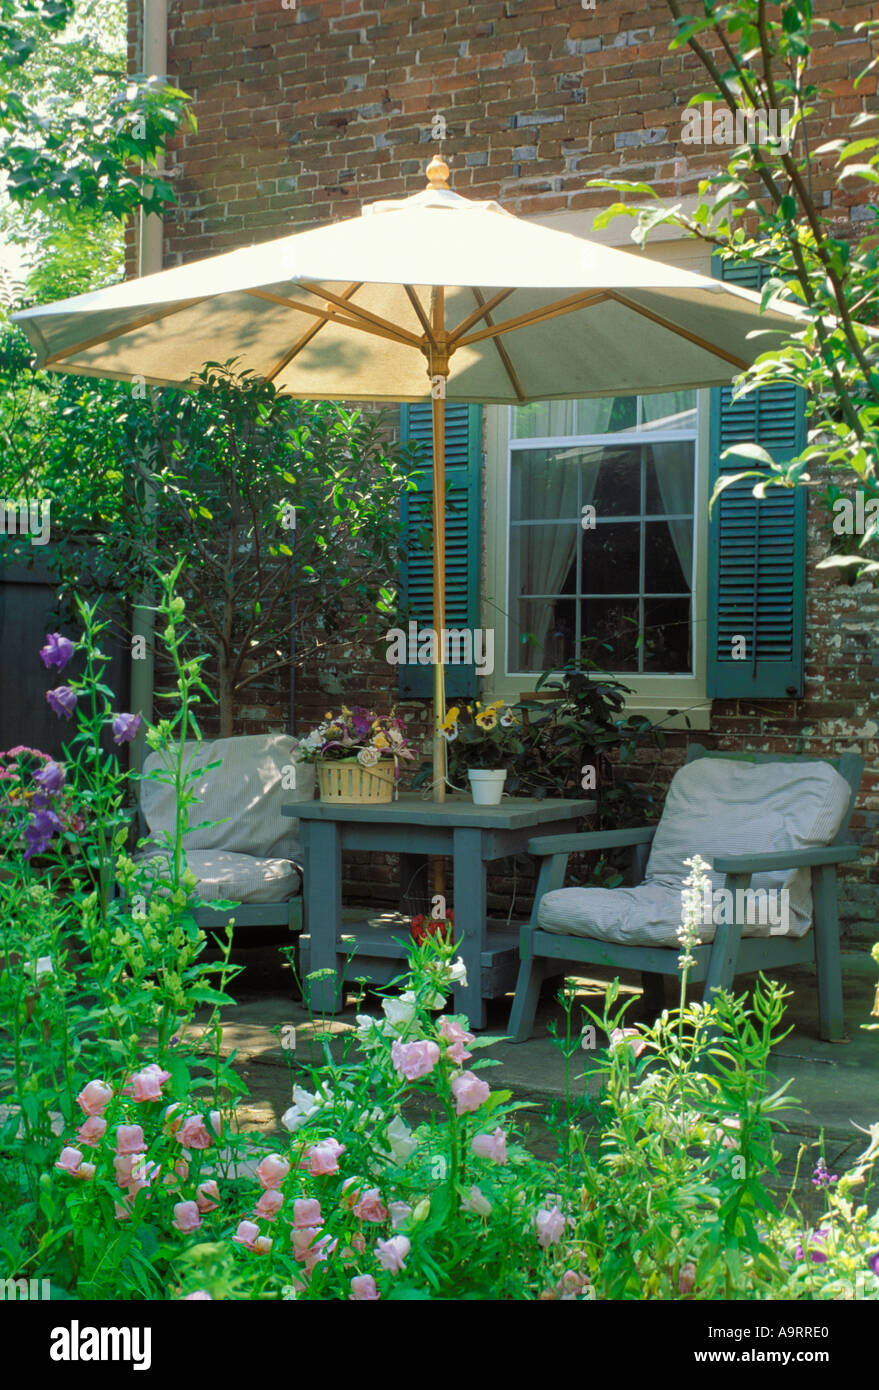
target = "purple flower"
x: 816, y: 1242
x: 873, y: 1263
x: 51, y: 777
x: 821, y: 1177
x: 62, y: 700
x: 57, y: 651
x: 44, y: 825
x: 125, y: 727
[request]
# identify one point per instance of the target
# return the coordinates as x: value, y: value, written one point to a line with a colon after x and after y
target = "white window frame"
x: 652, y: 695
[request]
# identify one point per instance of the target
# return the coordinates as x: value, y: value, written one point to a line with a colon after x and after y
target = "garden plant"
x: 402, y: 1173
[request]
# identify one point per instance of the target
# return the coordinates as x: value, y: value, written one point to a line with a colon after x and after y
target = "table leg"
x: 470, y: 921
x: 323, y: 906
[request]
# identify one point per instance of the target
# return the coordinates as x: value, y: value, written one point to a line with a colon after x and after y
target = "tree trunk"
x: 226, y: 707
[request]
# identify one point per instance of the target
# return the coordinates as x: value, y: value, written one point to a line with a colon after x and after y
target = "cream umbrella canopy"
x: 431, y: 296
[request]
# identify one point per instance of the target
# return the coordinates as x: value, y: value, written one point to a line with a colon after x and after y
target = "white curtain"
x: 674, y: 475
x: 552, y: 549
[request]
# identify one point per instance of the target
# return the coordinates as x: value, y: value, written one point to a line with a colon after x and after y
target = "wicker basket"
x: 349, y: 782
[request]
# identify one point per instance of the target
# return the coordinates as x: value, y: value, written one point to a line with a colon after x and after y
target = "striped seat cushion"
x: 715, y: 806
x: 244, y: 878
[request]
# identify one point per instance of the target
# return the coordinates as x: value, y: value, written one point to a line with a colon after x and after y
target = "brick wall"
x: 306, y: 113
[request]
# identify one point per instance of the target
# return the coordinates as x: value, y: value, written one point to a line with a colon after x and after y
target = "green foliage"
x: 763, y: 207
x: 77, y: 133
x: 287, y: 510
x: 585, y: 725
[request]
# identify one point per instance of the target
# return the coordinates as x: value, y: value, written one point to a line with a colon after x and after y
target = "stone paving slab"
x: 837, y: 1084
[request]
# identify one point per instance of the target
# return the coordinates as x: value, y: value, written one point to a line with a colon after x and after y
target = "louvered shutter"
x: 463, y: 506
x: 756, y: 548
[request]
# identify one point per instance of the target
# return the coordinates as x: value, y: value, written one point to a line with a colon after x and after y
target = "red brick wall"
x: 306, y: 113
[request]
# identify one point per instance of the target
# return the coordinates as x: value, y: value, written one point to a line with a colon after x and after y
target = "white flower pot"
x: 487, y: 785
x: 306, y: 781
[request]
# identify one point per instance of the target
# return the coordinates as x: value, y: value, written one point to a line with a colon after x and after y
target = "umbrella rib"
x: 550, y: 311
x: 307, y: 337
x: 361, y: 313
x: 477, y: 314
x: 502, y: 351
x: 681, y: 332
x: 128, y: 328
x: 422, y: 316
x: 331, y: 316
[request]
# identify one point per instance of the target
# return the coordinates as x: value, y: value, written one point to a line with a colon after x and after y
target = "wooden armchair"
x: 733, y: 951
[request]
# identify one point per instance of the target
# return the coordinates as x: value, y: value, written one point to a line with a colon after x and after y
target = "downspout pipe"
x: 154, y: 63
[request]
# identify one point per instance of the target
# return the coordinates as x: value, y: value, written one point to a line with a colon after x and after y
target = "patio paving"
x: 836, y: 1083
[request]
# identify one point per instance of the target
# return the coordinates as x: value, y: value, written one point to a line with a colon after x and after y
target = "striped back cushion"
x: 245, y: 793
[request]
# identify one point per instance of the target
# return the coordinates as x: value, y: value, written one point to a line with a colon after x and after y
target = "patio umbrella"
x: 431, y: 296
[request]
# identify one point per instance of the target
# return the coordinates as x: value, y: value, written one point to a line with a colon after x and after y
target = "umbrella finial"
x: 437, y: 173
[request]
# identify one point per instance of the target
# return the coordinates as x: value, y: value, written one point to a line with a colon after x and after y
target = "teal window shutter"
x: 463, y: 509
x: 756, y: 547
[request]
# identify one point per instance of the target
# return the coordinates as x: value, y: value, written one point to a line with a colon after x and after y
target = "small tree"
x: 764, y: 206
x: 287, y: 511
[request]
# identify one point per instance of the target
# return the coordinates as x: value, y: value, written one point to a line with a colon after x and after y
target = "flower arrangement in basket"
x: 358, y: 754
x: 484, y: 743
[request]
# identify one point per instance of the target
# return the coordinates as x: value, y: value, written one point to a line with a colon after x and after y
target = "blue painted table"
x: 412, y: 827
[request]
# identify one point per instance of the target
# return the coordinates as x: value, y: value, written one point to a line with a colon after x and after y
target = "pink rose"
x: 550, y: 1226
x: 272, y: 1171
x: 620, y: 1036
x: 306, y: 1212
x: 94, y: 1098
x: 192, y: 1134
x: 186, y: 1217
x: 129, y: 1139
x: 469, y: 1092
x: 400, y: 1213
x: 124, y: 1165
x: 142, y: 1174
x: 269, y: 1204
x: 247, y: 1234
x: 414, y: 1059
x: 391, y: 1254
x: 349, y: 1193
x: 457, y: 1038
x: 207, y: 1196
x: 477, y: 1203
x: 570, y: 1285
x: 370, y: 1207
x: 493, y: 1146
x: 172, y: 1118
x: 363, y: 1289
x: 92, y: 1131
x: 310, y: 1249
x: 322, y: 1160
x: 146, y: 1084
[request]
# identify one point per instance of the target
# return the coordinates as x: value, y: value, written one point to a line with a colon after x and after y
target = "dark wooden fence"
x: 27, y: 612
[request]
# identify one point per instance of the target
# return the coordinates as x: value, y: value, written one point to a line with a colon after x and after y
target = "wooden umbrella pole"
x: 438, y: 369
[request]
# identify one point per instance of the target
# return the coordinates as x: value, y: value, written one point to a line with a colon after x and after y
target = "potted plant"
x: 358, y: 754
x: 484, y: 743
